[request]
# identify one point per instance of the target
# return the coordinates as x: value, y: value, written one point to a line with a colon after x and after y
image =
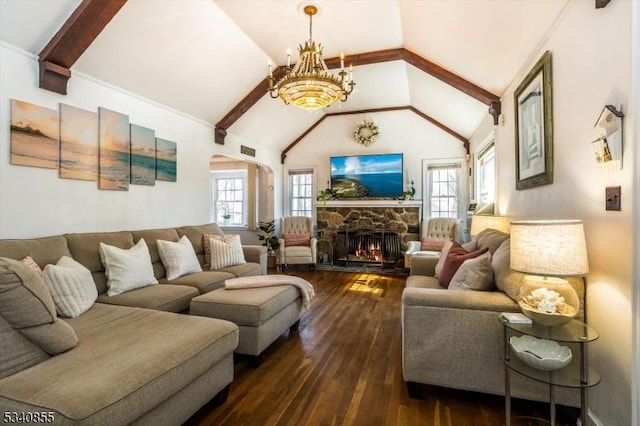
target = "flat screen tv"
x: 367, y: 176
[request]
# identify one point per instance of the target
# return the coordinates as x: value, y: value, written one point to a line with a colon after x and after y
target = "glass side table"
x: 577, y: 374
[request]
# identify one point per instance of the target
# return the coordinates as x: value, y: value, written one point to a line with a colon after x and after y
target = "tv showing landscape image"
x: 367, y: 176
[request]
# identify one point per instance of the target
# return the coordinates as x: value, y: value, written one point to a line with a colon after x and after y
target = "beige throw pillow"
x: 474, y: 274
x: 71, y: 286
x: 178, y: 258
x: 127, y: 269
x: 225, y: 254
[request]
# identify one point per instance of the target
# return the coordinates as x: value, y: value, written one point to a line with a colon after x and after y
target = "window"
x: 301, y: 192
x: 443, y: 190
x: 486, y: 176
x: 230, y: 197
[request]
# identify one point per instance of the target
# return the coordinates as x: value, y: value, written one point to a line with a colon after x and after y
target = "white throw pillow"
x: 224, y: 254
x: 474, y: 274
x: 71, y: 286
x: 127, y: 269
x: 443, y: 256
x: 178, y: 258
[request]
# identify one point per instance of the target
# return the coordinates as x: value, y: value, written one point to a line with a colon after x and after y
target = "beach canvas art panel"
x: 34, y: 135
x: 78, y: 143
x: 114, y: 160
x: 166, y: 160
x: 143, y: 156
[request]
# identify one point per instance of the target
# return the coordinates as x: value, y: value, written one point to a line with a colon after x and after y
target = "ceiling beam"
x: 431, y: 120
x: 453, y: 80
x: 71, y: 41
x: 379, y: 56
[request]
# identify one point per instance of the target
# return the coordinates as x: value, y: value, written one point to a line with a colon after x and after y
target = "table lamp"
x: 480, y: 222
x: 550, y: 249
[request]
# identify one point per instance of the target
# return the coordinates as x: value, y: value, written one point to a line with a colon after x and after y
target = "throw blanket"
x: 306, y: 289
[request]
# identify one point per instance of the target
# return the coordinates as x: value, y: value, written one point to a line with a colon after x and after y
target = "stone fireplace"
x: 370, y: 232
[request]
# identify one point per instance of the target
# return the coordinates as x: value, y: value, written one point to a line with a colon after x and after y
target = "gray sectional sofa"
x: 452, y: 338
x: 126, y: 360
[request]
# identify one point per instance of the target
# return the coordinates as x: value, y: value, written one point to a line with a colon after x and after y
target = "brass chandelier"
x: 309, y: 84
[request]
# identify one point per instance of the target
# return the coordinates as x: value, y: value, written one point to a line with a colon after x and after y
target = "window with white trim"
x: 443, y: 190
x: 486, y: 175
x: 301, y: 192
x: 229, y: 197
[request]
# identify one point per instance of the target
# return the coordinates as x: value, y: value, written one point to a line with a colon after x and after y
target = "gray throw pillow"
x: 18, y: 353
x: 474, y: 274
x: 491, y: 238
x: 27, y: 306
x: 507, y: 280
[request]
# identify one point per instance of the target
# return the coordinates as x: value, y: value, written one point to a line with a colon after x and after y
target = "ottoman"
x: 262, y: 314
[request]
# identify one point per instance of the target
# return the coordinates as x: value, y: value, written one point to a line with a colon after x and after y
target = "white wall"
x: 400, y: 131
x: 35, y: 202
x: 591, y: 64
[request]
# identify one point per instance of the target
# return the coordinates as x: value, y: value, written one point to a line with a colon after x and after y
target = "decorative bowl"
x: 540, y: 353
x: 544, y: 318
x: 548, y: 301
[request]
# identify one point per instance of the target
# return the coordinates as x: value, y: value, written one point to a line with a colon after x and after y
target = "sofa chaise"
x: 126, y: 360
x: 453, y: 338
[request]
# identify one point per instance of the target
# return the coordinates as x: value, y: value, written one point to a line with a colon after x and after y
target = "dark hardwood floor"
x: 343, y: 367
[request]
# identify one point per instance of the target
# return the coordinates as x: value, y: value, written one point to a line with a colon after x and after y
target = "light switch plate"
x: 613, y: 198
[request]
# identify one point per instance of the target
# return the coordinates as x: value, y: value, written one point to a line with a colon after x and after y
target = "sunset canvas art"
x: 143, y: 156
x: 166, y: 159
x: 34, y: 135
x: 113, y: 164
x: 78, y: 143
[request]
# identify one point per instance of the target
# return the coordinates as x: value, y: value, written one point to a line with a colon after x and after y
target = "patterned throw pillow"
x: 456, y: 257
x: 298, y: 239
x: 207, y: 247
x: 31, y: 264
x: 225, y: 254
x: 432, y: 244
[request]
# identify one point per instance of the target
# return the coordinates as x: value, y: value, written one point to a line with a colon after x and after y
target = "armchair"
x: 297, y: 246
x: 432, y: 231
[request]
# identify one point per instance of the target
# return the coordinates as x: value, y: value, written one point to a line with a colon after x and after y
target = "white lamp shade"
x: 550, y: 247
x: 480, y: 222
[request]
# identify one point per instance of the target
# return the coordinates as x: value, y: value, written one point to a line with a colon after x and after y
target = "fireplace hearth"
x: 365, y: 233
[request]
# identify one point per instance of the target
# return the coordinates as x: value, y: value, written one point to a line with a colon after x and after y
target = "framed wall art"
x: 115, y: 150
x: 534, y: 126
x: 166, y: 160
x: 78, y: 143
x: 143, y: 155
x: 34, y: 135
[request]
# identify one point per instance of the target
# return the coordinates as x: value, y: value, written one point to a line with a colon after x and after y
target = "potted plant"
x: 269, y: 240
x: 226, y: 214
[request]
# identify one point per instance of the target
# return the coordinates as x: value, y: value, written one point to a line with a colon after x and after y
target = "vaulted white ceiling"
x: 202, y: 57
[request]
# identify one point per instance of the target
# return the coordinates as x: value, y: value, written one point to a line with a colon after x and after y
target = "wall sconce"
x: 607, y: 149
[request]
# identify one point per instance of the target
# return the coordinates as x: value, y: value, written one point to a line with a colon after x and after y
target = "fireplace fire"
x: 366, y: 245
x: 372, y: 253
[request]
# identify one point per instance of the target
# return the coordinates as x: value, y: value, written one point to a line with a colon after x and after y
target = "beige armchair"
x: 444, y: 228
x: 297, y: 244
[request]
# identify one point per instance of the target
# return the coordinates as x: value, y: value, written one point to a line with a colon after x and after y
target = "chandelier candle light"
x: 550, y: 249
x: 309, y: 84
